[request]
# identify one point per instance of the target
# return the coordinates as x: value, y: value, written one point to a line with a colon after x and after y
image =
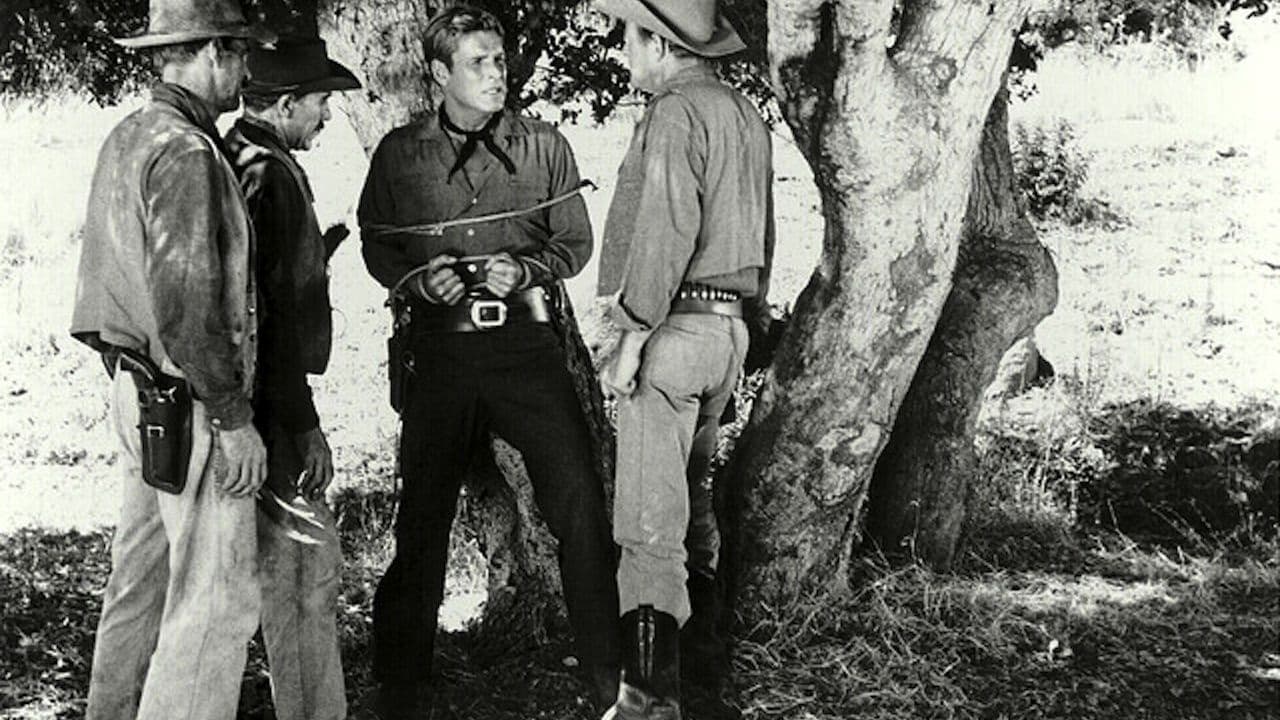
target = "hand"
x: 333, y: 237
x: 317, y: 464
x: 439, y: 283
x: 618, y: 376
x: 246, y: 461
x: 502, y: 274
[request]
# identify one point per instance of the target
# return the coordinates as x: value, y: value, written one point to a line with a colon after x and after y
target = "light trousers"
x: 689, y: 369
x: 183, y: 597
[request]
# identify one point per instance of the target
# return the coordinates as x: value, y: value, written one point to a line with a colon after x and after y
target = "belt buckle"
x: 487, y: 314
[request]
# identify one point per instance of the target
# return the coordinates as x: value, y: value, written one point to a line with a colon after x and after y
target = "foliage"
x: 1051, y: 170
x: 1201, y: 479
x: 1185, y: 474
x: 49, y: 47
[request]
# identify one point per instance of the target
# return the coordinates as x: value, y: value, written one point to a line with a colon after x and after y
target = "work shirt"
x: 295, y: 326
x: 167, y: 252
x: 694, y: 200
x: 409, y: 184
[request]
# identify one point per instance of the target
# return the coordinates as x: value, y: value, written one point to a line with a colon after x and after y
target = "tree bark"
x: 1005, y: 283
x: 892, y: 134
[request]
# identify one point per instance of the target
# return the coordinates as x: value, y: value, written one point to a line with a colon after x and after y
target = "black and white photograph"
x: 639, y: 360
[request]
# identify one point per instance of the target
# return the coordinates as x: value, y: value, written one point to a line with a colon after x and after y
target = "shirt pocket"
x: 421, y: 197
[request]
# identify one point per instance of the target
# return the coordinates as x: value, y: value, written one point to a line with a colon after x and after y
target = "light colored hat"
x: 298, y: 66
x: 173, y: 22
x: 696, y: 25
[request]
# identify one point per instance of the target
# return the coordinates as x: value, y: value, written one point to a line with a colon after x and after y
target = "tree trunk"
x: 892, y: 134
x: 1005, y: 283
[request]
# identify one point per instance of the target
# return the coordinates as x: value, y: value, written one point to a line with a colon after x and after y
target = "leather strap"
x: 480, y: 314
x: 729, y: 308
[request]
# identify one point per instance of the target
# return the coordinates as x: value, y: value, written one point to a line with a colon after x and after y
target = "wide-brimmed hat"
x: 173, y: 22
x: 696, y: 25
x: 299, y: 66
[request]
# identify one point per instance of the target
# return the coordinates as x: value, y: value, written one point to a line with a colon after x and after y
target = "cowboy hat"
x: 695, y: 25
x: 173, y: 22
x: 298, y: 66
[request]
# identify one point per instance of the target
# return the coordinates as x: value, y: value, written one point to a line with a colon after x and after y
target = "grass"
x: 1093, y: 581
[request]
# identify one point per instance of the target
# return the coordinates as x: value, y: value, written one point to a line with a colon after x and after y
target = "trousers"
x: 300, y: 586
x: 511, y: 381
x: 183, y: 598
x: 689, y: 369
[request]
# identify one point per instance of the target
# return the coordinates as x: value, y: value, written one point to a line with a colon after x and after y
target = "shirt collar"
x: 261, y: 132
x: 694, y: 73
x: 507, y: 127
x: 192, y: 106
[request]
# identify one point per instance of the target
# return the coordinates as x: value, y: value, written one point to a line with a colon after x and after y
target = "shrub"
x: 50, y: 48
x: 1051, y: 169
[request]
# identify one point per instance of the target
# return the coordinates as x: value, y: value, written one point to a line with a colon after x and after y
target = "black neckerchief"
x: 473, y: 140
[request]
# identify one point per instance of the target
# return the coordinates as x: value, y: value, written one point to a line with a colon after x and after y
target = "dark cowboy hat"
x: 695, y: 25
x: 298, y: 66
x: 173, y: 22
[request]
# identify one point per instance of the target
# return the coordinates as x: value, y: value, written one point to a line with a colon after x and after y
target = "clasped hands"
x: 442, y: 285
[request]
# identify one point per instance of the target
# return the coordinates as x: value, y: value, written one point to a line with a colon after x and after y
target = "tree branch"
x: 939, y: 38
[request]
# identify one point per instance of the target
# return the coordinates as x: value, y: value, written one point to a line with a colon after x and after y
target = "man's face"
x: 305, y: 118
x: 229, y: 73
x: 643, y: 55
x: 477, y: 82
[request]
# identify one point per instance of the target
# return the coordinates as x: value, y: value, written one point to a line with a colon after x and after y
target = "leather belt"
x: 479, y: 314
x: 730, y: 308
x: 694, y: 298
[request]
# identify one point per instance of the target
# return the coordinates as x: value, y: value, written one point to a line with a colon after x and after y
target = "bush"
x: 1051, y: 169
x: 1200, y: 477
x: 51, y: 48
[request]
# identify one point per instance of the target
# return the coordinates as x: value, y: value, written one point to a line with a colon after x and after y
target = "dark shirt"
x: 167, y: 252
x: 694, y: 200
x: 295, y: 327
x: 409, y: 184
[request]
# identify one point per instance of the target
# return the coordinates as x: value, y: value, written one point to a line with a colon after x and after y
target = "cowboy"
x: 165, y: 283
x: 693, y: 202
x: 484, y: 357
x: 286, y: 104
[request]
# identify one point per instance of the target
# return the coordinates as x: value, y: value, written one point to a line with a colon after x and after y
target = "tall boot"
x: 650, y: 687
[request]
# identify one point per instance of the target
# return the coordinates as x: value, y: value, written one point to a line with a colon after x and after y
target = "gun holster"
x: 164, y: 421
x: 400, y: 359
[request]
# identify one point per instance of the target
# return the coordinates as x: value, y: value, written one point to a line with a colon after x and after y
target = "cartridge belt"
x: 694, y: 298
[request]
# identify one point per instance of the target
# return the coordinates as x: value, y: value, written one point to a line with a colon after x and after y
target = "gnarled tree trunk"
x: 891, y: 131
x: 1005, y: 283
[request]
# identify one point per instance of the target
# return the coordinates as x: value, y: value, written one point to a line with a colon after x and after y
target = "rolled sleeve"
x: 186, y: 281
x: 668, y: 216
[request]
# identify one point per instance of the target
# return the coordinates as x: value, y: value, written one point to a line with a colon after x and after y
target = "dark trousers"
x: 511, y: 381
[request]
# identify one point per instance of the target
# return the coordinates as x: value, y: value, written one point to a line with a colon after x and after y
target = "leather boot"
x: 650, y: 687
x: 604, y: 685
